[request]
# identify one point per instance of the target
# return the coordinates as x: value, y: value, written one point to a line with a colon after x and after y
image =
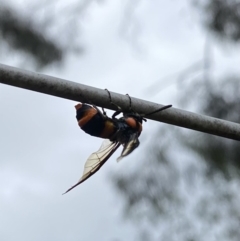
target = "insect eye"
x: 131, y: 122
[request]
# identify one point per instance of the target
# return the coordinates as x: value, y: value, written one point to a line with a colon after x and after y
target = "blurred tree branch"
x: 221, y: 17
x: 35, y: 33
x: 190, y: 189
x: 21, y: 36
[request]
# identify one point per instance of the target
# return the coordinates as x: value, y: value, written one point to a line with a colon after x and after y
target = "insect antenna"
x: 150, y: 113
x: 131, y: 109
x: 158, y: 110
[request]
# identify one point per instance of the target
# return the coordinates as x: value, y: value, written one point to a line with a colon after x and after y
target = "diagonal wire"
x: 79, y: 92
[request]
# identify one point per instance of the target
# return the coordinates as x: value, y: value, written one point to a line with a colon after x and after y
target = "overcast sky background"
x: 43, y: 151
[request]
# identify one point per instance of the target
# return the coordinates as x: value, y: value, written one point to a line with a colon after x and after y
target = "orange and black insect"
x: 118, y: 131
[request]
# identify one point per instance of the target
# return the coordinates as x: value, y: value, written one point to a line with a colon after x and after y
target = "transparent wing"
x: 130, y: 146
x: 96, y: 160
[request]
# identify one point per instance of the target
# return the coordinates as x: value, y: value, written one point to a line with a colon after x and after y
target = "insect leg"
x: 130, y: 103
x: 110, y: 99
x: 103, y: 113
x: 112, y: 103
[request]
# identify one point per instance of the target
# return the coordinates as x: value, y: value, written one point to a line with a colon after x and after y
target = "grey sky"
x: 42, y: 149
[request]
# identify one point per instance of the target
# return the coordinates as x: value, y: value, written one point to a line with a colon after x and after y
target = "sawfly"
x: 117, y: 131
